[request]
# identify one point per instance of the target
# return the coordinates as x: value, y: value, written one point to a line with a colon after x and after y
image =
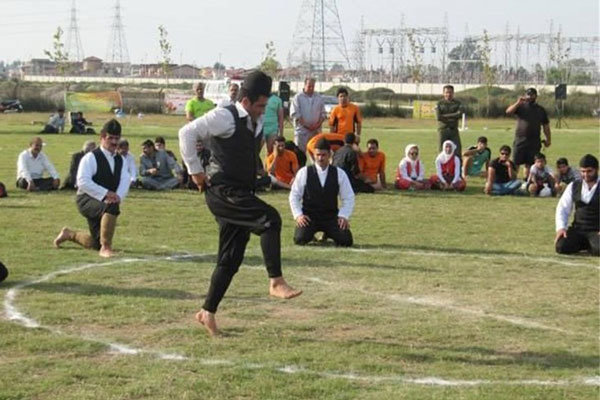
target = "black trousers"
x: 49, y: 129
x: 239, y: 213
x: 43, y: 184
x: 360, y: 186
x: 93, y: 210
x: 341, y: 237
x: 577, y: 240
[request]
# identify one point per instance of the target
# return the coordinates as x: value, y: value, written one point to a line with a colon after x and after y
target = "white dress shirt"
x: 87, y: 169
x: 346, y: 193
x: 565, y: 204
x: 130, y: 167
x: 30, y: 167
x: 218, y: 122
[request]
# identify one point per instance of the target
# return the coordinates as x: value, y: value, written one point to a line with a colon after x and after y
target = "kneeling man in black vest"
x: 102, y: 184
x: 314, y: 200
x: 584, y: 234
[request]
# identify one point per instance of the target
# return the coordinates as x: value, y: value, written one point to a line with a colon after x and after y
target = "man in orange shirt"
x: 282, y: 165
x: 372, y: 165
x: 345, y: 117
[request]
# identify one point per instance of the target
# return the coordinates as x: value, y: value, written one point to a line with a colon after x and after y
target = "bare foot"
x: 207, y: 319
x: 64, y: 235
x: 279, y: 288
x: 106, y: 252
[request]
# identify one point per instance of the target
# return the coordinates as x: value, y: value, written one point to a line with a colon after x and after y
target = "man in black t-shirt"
x: 346, y: 158
x: 531, y: 117
x: 502, y: 175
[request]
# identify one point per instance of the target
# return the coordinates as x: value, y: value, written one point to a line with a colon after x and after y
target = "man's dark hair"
x: 588, y: 161
x: 279, y: 139
x: 531, y: 91
x: 148, y: 143
x: 323, y: 144
x: 60, y: 109
x: 373, y: 141
x: 111, y: 127
x: 349, y: 138
x: 562, y: 161
x: 159, y: 139
x: 482, y: 139
x: 256, y: 84
x: 505, y: 147
x: 540, y: 156
x: 448, y: 87
x: 341, y: 90
x: 123, y: 143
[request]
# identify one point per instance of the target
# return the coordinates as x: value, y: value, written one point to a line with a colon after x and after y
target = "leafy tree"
x: 489, y: 74
x: 466, y: 60
x: 269, y: 64
x: 58, y: 54
x: 165, y: 50
x: 218, y: 66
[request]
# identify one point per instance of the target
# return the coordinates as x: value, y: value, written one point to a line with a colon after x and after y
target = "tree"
x: 165, y: 50
x: 58, y: 54
x: 489, y: 75
x: 466, y: 59
x: 218, y: 66
x: 415, y: 62
x: 269, y: 64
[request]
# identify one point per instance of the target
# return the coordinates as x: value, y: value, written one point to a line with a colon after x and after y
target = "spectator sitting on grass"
x: 372, y: 165
x: 447, y: 165
x: 540, y: 181
x: 564, y: 175
x: 281, y: 165
x: 31, y: 165
x: 128, y: 161
x: 56, y: 123
x: 71, y: 181
x: 79, y: 124
x: 502, y: 175
x: 156, y: 168
x: 476, y: 159
x: 410, y: 174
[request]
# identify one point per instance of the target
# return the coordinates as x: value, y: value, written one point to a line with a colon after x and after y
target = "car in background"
x: 330, y: 102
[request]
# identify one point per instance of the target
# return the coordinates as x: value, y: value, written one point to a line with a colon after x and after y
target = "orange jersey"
x: 286, y: 165
x: 335, y: 141
x: 372, y: 166
x: 344, y: 118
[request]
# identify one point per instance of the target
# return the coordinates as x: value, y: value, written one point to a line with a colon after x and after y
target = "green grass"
x: 461, y: 287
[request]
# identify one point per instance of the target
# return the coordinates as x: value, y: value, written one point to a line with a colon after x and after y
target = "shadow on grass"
x: 86, y: 289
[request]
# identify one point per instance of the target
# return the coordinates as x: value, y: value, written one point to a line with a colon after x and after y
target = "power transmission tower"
x: 74, y: 47
x: 117, y: 53
x: 318, y: 41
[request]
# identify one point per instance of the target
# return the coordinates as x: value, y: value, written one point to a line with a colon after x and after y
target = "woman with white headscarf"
x: 447, y: 165
x: 410, y: 174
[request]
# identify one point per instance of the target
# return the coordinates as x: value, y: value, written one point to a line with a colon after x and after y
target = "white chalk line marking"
x: 440, y: 253
x: 446, y: 305
x: 13, y: 314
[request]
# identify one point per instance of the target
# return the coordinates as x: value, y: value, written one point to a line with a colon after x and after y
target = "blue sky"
x: 204, y: 31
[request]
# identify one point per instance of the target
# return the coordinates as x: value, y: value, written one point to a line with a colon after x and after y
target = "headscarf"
x: 443, y: 157
x: 413, y: 164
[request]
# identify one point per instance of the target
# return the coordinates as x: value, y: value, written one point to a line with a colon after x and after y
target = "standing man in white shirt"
x: 584, y: 233
x: 31, y: 165
x: 308, y: 113
x: 314, y: 200
x: 233, y: 91
x: 102, y: 184
x: 230, y: 182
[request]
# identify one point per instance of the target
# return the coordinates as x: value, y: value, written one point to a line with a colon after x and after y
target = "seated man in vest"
x: 584, y: 233
x: 372, y: 165
x: 71, y: 181
x: 31, y: 165
x: 102, y: 184
x: 156, y: 169
x: 346, y: 158
x: 282, y: 165
x: 314, y: 203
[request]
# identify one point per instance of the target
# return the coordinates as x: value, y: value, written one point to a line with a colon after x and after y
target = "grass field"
x: 444, y: 296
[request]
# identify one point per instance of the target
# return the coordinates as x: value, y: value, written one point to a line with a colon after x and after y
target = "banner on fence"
x: 93, y: 101
x: 175, y: 102
x: 424, y: 109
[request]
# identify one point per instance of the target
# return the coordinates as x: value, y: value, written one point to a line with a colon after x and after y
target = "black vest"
x: 103, y: 176
x: 233, y: 160
x: 321, y: 202
x: 587, y: 216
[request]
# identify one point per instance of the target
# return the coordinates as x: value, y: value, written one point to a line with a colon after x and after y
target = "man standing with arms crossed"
x: 448, y: 112
x: 230, y: 182
x: 530, y: 118
x: 308, y: 113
